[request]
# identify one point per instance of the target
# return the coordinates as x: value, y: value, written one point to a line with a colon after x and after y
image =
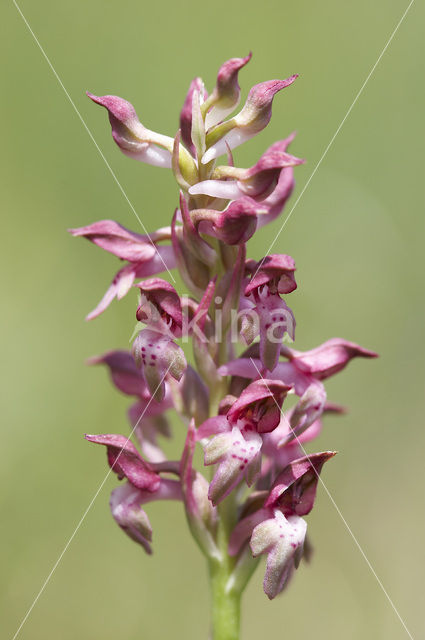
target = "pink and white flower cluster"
x: 251, y: 408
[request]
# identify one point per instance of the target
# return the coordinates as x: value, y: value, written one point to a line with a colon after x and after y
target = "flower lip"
x: 283, y: 541
x: 158, y: 356
x: 238, y: 455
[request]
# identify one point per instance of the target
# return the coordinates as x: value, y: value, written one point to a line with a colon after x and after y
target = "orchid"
x: 247, y: 400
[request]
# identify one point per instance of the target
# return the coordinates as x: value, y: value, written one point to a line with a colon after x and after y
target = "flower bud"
x: 186, y: 113
x: 191, y: 396
x: 136, y: 141
x: 309, y: 409
x: 201, y: 514
x: 225, y: 97
x: 253, y: 118
x: 195, y: 273
x: 202, y: 250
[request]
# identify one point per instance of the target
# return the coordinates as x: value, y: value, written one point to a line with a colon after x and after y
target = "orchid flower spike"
x: 243, y: 401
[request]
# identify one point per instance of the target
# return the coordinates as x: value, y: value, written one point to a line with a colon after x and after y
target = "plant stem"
x: 225, y: 604
x: 225, y: 601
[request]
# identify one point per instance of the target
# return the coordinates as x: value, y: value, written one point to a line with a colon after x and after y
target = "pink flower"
x: 294, y: 490
x: 144, y: 484
x: 145, y: 256
x: 259, y: 405
x: 160, y: 307
x: 302, y: 368
x: 257, y: 182
x: 282, y: 539
x: 253, y: 118
x: 276, y: 272
x: 329, y: 358
x: 234, y: 408
x: 126, y: 507
x: 131, y: 136
x: 277, y: 528
x: 237, y: 454
x: 235, y: 225
x: 225, y: 97
x: 126, y: 462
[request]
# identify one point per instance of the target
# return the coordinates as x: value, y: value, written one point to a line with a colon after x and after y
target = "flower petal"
x: 116, y: 239
x: 186, y: 114
x: 260, y: 405
x: 226, y: 94
x: 238, y: 456
x: 329, y: 358
x: 158, y: 356
x: 125, y: 461
x: 294, y: 490
x: 131, y: 136
x: 283, y: 540
x: 124, y: 373
x: 125, y: 507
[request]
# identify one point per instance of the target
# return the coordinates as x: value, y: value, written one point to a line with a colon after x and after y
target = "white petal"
x: 153, y: 155
x: 216, y: 115
x: 233, y: 138
x: 217, y: 189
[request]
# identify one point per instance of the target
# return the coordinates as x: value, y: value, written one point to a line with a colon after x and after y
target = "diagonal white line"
x: 83, y: 517
x: 341, y: 124
x: 347, y: 526
x: 91, y: 135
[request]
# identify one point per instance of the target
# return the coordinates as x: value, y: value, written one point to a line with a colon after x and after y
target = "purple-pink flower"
x: 248, y: 401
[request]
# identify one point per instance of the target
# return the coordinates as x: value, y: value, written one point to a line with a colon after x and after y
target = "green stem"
x: 226, y: 600
x: 225, y: 605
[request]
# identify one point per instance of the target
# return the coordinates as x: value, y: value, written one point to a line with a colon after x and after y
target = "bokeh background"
x: 356, y: 235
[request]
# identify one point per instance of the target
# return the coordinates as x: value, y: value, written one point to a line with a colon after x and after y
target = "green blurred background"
x: 356, y: 235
